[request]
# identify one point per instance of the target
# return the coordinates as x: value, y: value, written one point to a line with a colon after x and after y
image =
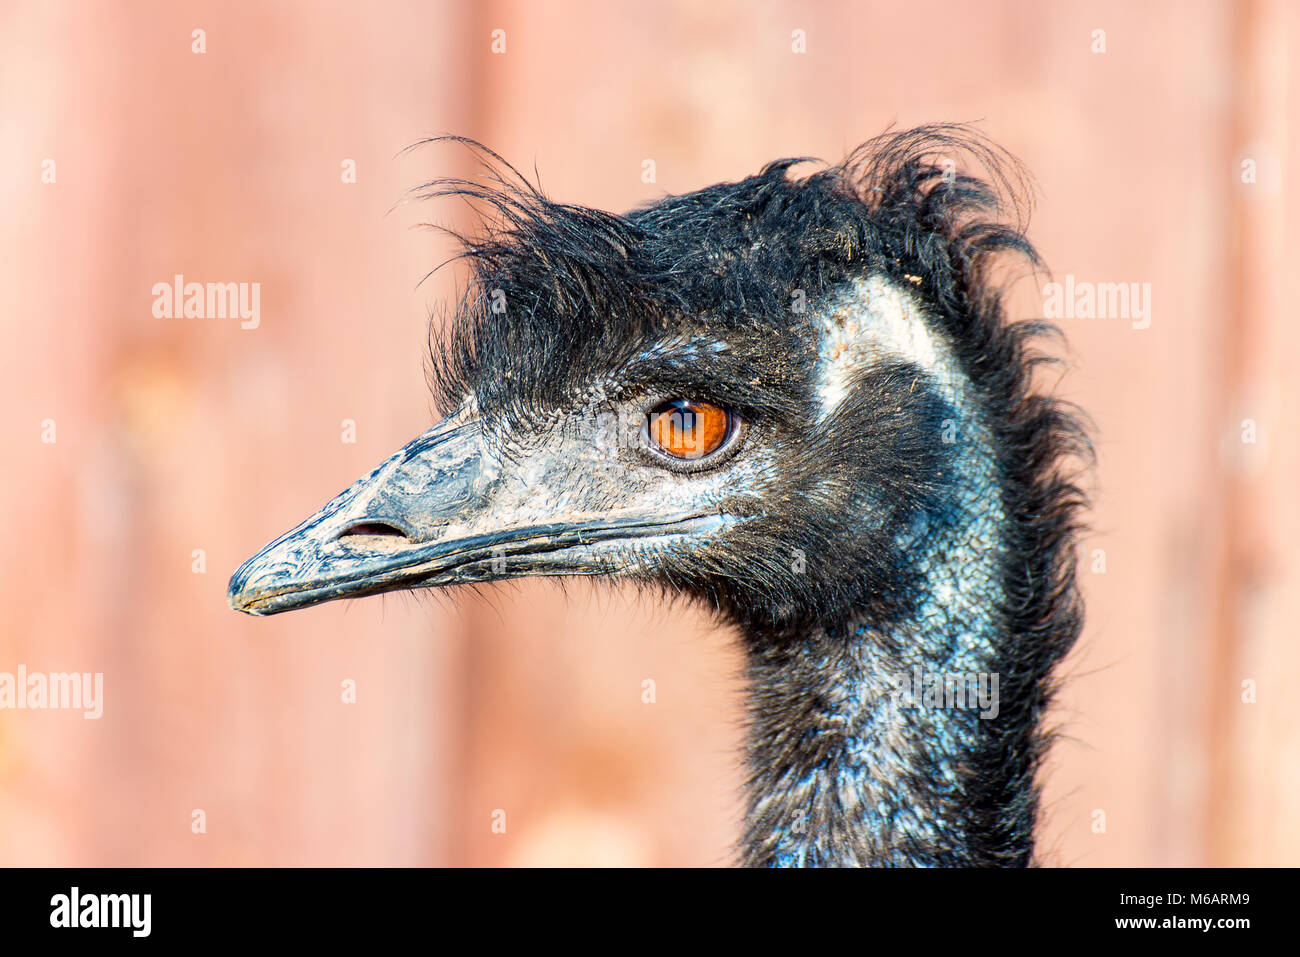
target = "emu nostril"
x: 374, y: 529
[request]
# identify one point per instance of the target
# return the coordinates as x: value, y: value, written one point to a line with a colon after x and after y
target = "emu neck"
x: 868, y: 738
x: 890, y: 740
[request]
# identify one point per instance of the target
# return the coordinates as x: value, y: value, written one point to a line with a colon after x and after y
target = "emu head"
x: 738, y: 394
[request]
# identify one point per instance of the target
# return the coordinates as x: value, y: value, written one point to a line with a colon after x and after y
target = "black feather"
x: 563, y: 298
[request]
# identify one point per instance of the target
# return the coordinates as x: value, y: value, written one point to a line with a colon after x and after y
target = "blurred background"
x: 146, y: 456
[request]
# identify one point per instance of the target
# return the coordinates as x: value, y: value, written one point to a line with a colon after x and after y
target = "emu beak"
x: 438, y: 512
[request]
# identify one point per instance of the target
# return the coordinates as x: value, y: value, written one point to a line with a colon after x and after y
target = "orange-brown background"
x: 175, y: 434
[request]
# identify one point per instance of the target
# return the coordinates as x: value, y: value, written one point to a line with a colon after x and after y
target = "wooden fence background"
x: 1143, y: 124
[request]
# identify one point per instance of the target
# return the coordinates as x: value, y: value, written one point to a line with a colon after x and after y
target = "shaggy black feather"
x: 564, y: 299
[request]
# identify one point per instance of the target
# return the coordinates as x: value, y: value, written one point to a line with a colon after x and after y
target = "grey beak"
x: 433, y: 515
x: 387, y: 531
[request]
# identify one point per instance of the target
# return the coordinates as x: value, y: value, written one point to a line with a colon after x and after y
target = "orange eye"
x: 687, y: 429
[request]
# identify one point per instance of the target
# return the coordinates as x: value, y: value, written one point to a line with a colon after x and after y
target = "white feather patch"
x: 874, y: 321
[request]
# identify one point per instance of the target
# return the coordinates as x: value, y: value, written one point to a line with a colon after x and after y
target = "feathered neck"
x: 909, y: 732
x: 886, y: 740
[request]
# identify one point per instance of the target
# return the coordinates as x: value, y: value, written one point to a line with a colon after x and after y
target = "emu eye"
x: 687, y: 429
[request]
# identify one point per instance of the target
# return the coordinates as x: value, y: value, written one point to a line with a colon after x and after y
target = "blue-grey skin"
x: 566, y: 502
x: 886, y: 737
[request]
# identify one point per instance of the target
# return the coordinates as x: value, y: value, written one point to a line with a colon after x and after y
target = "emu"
x: 799, y: 401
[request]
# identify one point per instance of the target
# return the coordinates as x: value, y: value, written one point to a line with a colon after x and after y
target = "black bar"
x: 331, y: 906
